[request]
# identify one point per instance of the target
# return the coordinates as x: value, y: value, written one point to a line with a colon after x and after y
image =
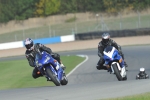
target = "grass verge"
x: 18, y: 73
x: 145, y: 96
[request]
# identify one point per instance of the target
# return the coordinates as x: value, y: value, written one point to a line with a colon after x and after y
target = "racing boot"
x: 62, y: 66
x: 101, y: 67
x: 108, y: 69
x: 48, y: 79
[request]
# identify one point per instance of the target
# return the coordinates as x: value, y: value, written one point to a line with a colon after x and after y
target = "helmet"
x: 28, y: 44
x: 105, y: 38
x: 142, y: 70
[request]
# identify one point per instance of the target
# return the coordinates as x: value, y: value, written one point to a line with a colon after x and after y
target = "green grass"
x: 129, y: 22
x: 18, y: 73
x: 145, y: 96
x: 73, y: 19
x: 48, y: 31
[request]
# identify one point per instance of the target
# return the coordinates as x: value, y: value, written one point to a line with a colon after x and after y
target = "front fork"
x: 42, y: 71
x: 121, y: 62
x: 122, y: 70
x: 57, y: 71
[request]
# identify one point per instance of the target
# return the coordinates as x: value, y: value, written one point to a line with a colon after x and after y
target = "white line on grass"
x: 78, y: 64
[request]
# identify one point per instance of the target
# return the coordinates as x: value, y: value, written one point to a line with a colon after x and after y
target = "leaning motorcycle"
x: 114, y: 62
x: 45, y: 64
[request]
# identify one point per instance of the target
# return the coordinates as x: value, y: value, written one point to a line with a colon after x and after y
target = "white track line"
x: 78, y: 65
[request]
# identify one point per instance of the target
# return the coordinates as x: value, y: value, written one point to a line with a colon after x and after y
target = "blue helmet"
x: 105, y: 38
x: 28, y: 44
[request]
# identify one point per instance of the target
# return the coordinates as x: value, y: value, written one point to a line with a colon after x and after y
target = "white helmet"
x: 105, y: 38
x: 142, y: 70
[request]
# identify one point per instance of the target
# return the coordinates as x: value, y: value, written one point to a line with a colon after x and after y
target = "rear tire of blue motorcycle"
x: 53, y: 77
x: 119, y: 77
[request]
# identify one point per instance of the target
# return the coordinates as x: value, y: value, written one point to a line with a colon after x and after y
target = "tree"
x: 138, y: 5
x: 24, y: 9
x: 51, y: 7
x: 18, y: 9
x: 111, y: 6
x: 69, y: 6
x: 47, y: 7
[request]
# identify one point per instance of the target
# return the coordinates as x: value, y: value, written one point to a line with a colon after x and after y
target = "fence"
x: 84, y: 23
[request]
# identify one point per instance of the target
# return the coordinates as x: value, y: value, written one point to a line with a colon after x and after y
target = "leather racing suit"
x: 30, y: 55
x: 101, y: 47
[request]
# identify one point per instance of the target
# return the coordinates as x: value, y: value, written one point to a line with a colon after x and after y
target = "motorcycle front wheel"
x: 64, y: 81
x: 117, y: 72
x: 52, y: 76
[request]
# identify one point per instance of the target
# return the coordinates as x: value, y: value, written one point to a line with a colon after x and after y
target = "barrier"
x: 82, y: 36
x: 51, y: 40
x: 11, y: 45
x: 67, y: 38
x: 48, y: 40
x: 115, y: 33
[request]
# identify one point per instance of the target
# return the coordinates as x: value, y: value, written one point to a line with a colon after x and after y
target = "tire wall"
x: 113, y: 33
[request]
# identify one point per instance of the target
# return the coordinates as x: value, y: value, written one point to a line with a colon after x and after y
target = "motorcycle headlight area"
x: 47, y: 58
x: 38, y: 64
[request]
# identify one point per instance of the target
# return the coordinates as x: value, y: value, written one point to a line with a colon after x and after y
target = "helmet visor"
x: 105, y: 40
x: 28, y: 46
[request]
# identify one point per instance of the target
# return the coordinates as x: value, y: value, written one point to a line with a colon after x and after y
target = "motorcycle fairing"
x: 112, y: 54
x: 46, y: 60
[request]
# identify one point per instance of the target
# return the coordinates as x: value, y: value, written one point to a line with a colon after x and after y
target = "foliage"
x: 73, y: 6
x: 144, y: 96
x: 47, y: 7
x: 71, y: 19
x: 68, y: 6
x: 18, y: 9
x: 24, y: 9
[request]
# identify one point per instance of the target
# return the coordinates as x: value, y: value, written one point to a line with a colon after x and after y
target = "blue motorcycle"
x: 115, y: 63
x: 50, y: 68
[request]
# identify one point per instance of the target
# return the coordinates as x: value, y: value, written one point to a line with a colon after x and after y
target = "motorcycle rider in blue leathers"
x: 106, y: 41
x: 31, y: 52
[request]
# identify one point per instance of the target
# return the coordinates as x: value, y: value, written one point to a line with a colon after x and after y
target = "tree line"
x: 24, y: 9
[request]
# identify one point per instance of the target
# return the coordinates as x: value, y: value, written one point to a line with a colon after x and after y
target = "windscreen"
x: 38, y: 56
x: 108, y: 49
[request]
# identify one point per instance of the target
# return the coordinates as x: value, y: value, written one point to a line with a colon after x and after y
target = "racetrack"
x: 88, y: 83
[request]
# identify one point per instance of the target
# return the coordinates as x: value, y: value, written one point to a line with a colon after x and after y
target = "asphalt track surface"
x: 88, y: 83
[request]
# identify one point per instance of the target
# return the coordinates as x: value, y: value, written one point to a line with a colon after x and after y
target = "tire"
x: 147, y: 77
x: 117, y: 73
x: 125, y: 78
x: 64, y: 81
x: 52, y: 76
